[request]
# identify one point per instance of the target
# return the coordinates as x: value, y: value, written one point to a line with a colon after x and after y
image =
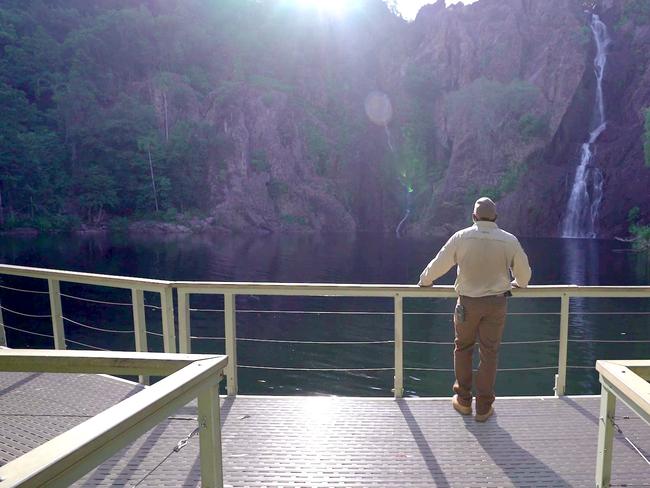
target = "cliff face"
x: 510, y: 71
x: 627, y: 96
x: 494, y: 99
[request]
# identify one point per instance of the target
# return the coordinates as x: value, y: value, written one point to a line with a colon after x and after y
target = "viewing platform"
x: 334, y: 441
x: 99, y: 430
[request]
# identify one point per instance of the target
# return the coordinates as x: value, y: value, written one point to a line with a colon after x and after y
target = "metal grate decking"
x: 334, y: 441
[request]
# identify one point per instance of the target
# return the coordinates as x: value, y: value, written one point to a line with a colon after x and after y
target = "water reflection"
x: 361, y: 258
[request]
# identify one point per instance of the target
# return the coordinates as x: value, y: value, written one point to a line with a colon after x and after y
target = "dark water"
x: 365, y: 258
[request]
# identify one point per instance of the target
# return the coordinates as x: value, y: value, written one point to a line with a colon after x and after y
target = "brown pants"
x: 484, y: 317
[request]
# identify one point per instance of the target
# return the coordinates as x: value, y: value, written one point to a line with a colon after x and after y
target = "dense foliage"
x: 93, y: 98
x: 105, y: 103
x: 639, y: 231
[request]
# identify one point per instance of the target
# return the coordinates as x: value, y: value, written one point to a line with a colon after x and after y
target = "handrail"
x: 69, y: 456
x: 230, y: 291
x: 627, y: 381
x: 410, y: 291
x: 86, y: 278
x: 137, y: 286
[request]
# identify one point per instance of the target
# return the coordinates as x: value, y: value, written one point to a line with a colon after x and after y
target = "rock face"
x: 627, y: 96
x: 492, y: 99
x: 267, y: 182
x: 510, y: 71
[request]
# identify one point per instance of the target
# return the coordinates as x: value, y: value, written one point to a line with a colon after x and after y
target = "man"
x: 485, y: 256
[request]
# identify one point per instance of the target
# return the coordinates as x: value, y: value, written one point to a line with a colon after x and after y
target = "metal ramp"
x: 334, y: 441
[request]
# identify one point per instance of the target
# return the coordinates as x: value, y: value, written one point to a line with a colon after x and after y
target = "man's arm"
x: 520, y: 268
x: 439, y: 265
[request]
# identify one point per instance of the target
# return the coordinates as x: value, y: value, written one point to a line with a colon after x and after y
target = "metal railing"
x: 627, y: 381
x: 69, y: 456
x: 230, y: 291
x: 137, y: 286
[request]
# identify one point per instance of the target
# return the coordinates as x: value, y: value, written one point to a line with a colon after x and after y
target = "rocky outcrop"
x: 510, y: 71
x: 267, y: 180
x: 491, y: 98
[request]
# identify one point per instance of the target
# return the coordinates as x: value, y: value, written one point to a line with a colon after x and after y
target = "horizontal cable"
x: 544, y: 341
x: 532, y: 368
x: 313, y: 342
x: 314, y: 369
x: 24, y: 291
x: 305, y: 312
x: 609, y: 313
x: 25, y: 314
x: 122, y: 304
x: 85, y: 345
x: 27, y: 331
x: 350, y: 312
x: 582, y: 367
x: 154, y: 333
x: 359, y: 342
x: 432, y: 343
x: 640, y: 341
x: 97, y: 328
x: 429, y: 369
x: 374, y: 312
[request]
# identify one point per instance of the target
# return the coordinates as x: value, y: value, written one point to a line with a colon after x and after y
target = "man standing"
x: 485, y: 256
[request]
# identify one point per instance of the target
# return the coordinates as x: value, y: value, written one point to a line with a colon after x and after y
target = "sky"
x: 409, y: 8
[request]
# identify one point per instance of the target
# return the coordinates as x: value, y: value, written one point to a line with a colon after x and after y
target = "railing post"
x: 3, y: 337
x: 184, y: 336
x: 167, y: 310
x: 57, y: 314
x: 399, y: 347
x: 230, y: 329
x: 605, y: 438
x: 139, y: 326
x: 210, y: 438
x: 560, y: 377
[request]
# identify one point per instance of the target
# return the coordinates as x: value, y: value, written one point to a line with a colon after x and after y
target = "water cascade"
x: 388, y: 139
x: 407, y: 187
x: 409, y: 192
x: 380, y: 111
x: 582, y: 210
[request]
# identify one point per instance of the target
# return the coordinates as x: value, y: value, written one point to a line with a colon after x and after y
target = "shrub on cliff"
x: 487, y: 106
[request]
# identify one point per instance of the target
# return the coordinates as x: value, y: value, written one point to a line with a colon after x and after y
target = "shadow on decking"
x: 516, y: 462
x: 420, y: 440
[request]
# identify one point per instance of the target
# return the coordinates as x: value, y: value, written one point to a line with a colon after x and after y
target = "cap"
x: 485, y: 209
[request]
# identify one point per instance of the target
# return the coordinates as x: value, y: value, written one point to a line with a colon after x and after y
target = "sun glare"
x: 325, y: 6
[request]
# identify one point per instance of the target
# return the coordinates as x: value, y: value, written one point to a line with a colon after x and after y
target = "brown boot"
x: 459, y: 407
x: 482, y: 417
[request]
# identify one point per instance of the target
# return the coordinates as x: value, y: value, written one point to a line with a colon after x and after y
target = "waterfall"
x: 581, y: 217
x: 407, y: 187
x: 409, y: 191
x: 389, y: 139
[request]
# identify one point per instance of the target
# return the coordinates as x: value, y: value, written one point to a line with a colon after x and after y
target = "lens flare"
x: 378, y: 108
